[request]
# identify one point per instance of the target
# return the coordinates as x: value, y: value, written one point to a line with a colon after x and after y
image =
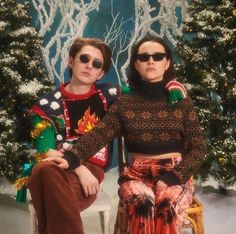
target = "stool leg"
x: 33, y: 219
x: 199, y: 222
x: 105, y: 221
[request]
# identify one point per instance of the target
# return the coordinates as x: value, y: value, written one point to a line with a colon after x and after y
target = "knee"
x: 41, y: 172
x: 165, y: 210
x: 144, y: 206
x: 43, y: 168
x: 164, y: 204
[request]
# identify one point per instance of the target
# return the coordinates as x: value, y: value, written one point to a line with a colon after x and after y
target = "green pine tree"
x: 208, y: 69
x: 23, y: 80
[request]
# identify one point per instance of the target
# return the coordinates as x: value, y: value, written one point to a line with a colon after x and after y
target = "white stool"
x: 102, y: 205
x: 33, y: 219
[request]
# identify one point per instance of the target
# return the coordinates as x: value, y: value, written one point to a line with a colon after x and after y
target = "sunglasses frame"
x: 85, y: 58
x: 144, y: 57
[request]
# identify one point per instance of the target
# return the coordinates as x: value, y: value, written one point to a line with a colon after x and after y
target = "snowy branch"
x: 143, y: 22
x: 73, y: 20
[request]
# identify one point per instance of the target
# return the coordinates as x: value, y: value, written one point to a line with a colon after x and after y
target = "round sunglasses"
x: 85, y: 58
x: 146, y: 57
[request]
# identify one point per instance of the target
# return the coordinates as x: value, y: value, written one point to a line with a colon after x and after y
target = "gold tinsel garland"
x: 39, y: 127
x: 20, y: 182
x: 40, y: 156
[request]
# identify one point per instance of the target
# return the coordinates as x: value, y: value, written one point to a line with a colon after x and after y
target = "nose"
x: 150, y: 59
x: 89, y: 64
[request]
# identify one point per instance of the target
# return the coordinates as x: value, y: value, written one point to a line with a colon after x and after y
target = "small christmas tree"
x: 209, y: 72
x: 22, y: 81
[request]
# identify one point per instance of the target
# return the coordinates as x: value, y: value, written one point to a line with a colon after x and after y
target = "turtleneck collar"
x: 154, y: 89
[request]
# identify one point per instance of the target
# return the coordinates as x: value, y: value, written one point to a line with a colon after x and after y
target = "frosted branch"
x: 69, y: 18
x: 74, y: 18
x: 166, y: 17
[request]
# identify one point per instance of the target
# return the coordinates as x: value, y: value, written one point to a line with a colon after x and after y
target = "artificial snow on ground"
x: 219, y: 210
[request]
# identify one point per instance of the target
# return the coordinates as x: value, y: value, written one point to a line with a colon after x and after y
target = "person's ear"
x: 101, y: 75
x: 70, y: 62
x: 136, y: 66
x: 167, y: 64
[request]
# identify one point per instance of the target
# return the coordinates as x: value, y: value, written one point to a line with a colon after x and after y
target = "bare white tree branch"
x: 143, y: 22
x: 74, y: 18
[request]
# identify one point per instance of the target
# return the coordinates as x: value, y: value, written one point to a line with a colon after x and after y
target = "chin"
x: 152, y: 80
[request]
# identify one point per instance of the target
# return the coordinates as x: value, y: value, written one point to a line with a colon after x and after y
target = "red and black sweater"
x: 73, y: 115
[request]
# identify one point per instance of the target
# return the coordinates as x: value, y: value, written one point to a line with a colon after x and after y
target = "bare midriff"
x: 156, y: 156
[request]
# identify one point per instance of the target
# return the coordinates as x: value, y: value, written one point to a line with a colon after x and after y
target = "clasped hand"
x: 56, y: 156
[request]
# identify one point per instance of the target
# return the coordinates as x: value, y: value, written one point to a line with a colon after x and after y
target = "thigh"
x: 136, y: 181
x: 177, y: 195
x: 131, y: 190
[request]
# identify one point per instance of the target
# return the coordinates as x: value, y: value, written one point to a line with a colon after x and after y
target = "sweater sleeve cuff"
x: 72, y: 159
x: 170, y: 178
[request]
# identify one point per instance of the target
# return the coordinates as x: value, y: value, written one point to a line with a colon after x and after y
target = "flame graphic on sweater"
x: 87, y: 122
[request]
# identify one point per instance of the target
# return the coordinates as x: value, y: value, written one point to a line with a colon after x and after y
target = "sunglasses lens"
x: 97, y: 64
x: 158, y: 56
x: 84, y: 58
x: 143, y: 57
x: 146, y: 57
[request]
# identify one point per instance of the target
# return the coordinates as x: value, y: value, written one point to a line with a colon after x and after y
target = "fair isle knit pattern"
x: 149, y: 126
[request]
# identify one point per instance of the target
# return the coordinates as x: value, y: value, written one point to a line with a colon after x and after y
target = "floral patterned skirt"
x: 153, y: 207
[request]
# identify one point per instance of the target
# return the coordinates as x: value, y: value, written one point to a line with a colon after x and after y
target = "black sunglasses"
x: 84, y: 58
x: 145, y: 57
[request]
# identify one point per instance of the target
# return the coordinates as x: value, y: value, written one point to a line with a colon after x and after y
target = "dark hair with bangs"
x: 133, y: 74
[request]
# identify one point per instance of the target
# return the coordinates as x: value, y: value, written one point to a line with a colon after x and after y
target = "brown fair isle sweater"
x: 149, y: 126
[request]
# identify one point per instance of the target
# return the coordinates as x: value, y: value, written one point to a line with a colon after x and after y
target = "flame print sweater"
x: 60, y: 118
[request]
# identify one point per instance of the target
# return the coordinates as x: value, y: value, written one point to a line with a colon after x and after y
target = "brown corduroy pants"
x: 58, y: 198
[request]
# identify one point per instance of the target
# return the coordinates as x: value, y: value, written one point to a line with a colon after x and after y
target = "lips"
x: 86, y: 73
x: 150, y: 69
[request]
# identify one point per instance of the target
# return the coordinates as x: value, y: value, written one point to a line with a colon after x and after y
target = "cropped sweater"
x: 150, y: 126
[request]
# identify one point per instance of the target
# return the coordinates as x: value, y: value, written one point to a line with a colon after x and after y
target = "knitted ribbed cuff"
x: 72, y: 159
x: 170, y: 178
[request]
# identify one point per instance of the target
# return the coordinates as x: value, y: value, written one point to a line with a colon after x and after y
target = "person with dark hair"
x: 164, y: 140
x: 59, y: 119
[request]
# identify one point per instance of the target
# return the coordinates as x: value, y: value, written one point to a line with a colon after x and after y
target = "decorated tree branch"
x: 208, y: 69
x: 23, y: 80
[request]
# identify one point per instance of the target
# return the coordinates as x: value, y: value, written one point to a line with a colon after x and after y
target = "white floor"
x: 219, y: 210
